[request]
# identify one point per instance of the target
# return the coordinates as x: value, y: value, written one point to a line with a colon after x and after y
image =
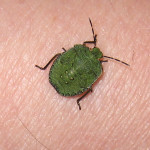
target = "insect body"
x: 74, y: 71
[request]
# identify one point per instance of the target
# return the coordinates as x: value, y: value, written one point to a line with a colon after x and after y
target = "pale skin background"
x: 116, y: 115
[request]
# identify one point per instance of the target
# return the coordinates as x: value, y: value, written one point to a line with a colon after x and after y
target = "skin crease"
x: 114, y: 116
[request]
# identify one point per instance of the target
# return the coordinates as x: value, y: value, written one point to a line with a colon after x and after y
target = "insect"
x: 74, y: 71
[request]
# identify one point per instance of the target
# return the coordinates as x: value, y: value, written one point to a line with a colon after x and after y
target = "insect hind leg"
x: 78, y: 100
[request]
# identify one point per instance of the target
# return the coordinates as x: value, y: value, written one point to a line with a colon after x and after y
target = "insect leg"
x: 94, y: 36
x: 78, y: 100
x: 64, y: 49
x: 43, y: 68
x: 103, y: 61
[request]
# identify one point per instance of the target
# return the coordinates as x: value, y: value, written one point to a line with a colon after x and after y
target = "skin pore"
x: 114, y: 116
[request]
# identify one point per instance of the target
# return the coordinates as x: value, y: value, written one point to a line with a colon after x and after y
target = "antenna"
x: 117, y: 60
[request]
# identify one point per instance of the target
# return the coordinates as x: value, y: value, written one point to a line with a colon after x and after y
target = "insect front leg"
x: 94, y: 36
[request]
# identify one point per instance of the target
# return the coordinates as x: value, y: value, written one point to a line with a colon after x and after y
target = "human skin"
x: 116, y: 115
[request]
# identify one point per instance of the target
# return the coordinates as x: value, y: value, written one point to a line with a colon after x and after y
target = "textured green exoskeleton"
x: 74, y: 71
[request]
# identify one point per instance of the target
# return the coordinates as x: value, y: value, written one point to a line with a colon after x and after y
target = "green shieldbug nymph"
x: 74, y: 71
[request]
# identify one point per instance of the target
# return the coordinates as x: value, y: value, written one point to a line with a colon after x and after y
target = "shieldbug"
x: 74, y: 71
